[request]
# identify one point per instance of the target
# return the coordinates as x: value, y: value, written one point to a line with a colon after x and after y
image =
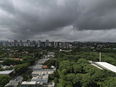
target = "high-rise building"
x: 15, y: 42
x: 55, y: 44
x: 39, y: 43
x: 20, y: 43
x: 47, y: 43
x: 28, y: 41
x: 64, y: 45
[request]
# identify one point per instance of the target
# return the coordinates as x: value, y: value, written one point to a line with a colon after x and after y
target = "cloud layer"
x: 82, y: 20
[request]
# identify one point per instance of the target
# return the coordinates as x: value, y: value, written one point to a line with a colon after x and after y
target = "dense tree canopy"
x: 82, y: 61
x: 86, y: 80
x: 109, y: 82
x: 75, y: 68
x: 50, y: 62
x: 19, y: 69
x: 4, y: 79
x: 28, y: 59
x: 66, y: 65
x: 11, y: 62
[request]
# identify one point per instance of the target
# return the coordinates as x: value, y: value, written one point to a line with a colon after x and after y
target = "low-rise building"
x: 106, y: 66
x: 6, y: 72
x: 16, y: 59
x: 42, y: 61
x: 44, y: 67
x: 37, y: 67
x: 65, y: 50
x: 51, y: 54
x: 26, y: 84
x: 42, y: 72
x: 41, y: 79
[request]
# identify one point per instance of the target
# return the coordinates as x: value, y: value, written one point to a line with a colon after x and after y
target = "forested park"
x: 74, y: 70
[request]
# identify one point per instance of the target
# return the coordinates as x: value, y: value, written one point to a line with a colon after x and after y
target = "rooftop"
x: 40, y: 78
x: 44, y: 66
x: 31, y: 82
x: 38, y: 67
x: 43, y: 72
x: 6, y: 72
x: 35, y: 77
x: 16, y: 59
x: 106, y: 66
x: 42, y: 60
x: 51, y: 53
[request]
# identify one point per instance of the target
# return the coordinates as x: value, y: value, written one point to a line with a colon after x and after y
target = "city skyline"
x: 59, y: 20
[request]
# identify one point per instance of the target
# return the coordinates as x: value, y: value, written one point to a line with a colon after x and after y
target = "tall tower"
x: 15, y: 42
x: 21, y: 43
x: 47, y: 43
x: 39, y: 43
x: 99, y: 56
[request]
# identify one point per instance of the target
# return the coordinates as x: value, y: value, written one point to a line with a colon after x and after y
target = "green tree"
x: 66, y: 83
x: 38, y: 86
x: 92, y: 71
x: 69, y: 84
x: 7, y: 62
x: 19, y: 69
x: 86, y: 80
x: 4, y: 79
x: 28, y: 59
x: 64, y: 71
x: 71, y: 78
x: 109, y: 73
x: 38, y: 55
x: 110, y: 82
x: 56, y: 74
x: 82, y: 61
x: 99, y: 76
x: 50, y: 62
x: 18, y: 85
x: 11, y: 62
x: 66, y: 65
x: 25, y: 77
x: 78, y: 79
x: 29, y: 72
x: 29, y: 85
x: 77, y: 68
x: 87, y: 68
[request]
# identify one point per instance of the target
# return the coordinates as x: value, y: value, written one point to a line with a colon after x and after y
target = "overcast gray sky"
x: 58, y: 20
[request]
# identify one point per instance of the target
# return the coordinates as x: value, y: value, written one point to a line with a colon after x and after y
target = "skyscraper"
x: 47, y: 43
x: 39, y: 43
x: 21, y: 43
x: 15, y: 42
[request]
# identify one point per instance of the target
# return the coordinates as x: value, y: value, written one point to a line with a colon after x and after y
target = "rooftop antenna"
x: 99, y: 56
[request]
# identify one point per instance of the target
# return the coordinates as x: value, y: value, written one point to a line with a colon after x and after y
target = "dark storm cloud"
x: 68, y: 34
x: 7, y: 5
x: 97, y: 14
x: 38, y: 16
x: 28, y: 18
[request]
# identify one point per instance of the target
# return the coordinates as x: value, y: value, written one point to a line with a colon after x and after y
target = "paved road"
x: 14, y: 82
x: 31, y: 67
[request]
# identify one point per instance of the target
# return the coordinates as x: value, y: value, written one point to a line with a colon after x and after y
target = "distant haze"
x: 58, y: 20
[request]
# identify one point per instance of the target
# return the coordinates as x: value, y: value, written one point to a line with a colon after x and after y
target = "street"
x: 15, y: 81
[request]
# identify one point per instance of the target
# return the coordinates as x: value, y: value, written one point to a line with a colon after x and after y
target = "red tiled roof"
x: 44, y: 66
x: 16, y: 59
